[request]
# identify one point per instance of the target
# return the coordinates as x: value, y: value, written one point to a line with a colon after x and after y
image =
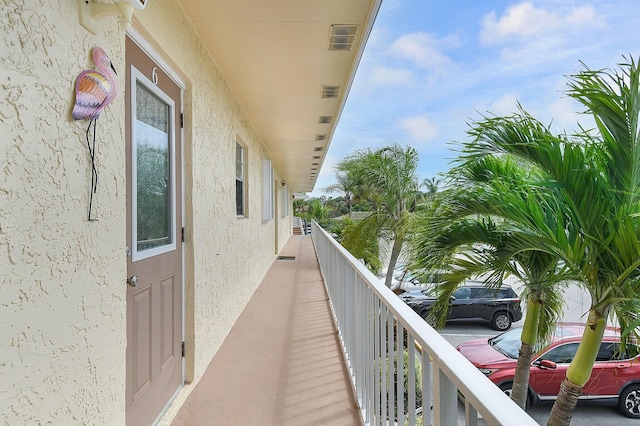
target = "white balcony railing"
x: 377, y: 331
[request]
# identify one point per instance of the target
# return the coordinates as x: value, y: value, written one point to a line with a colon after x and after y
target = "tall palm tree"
x: 387, y: 177
x: 345, y: 186
x: 432, y: 185
x: 594, y: 180
x: 482, y: 226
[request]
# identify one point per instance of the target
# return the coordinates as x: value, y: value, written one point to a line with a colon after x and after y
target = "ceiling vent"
x: 341, y: 37
x: 330, y: 91
x: 321, y: 137
x: 318, y: 148
x: 316, y: 157
x: 325, y: 119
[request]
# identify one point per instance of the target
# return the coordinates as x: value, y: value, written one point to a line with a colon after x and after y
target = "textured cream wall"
x: 62, y: 290
x: 62, y: 294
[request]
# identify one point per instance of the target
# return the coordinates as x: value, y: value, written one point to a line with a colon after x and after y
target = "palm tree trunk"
x: 579, y: 370
x: 521, y: 379
x: 393, y: 259
x: 529, y: 336
x: 562, y: 410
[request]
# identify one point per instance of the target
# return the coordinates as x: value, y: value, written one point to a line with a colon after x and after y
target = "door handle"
x: 132, y: 280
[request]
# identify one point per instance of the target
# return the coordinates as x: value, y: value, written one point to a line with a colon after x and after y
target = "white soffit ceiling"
x: 290, y: 64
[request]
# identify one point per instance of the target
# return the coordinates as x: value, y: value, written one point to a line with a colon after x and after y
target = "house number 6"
x: 154, y: 76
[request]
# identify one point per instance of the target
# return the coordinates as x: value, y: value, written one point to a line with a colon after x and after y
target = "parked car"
x: 615, y: 378
x: 500, y: 307
x: 409, y: 280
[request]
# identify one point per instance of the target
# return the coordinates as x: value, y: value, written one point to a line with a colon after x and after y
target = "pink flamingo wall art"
x: 95, y: 89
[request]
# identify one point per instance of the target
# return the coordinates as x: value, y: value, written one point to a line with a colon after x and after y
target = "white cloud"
x: 566, y: 115
x: 505, y: 105
x: 526, y: 22
x: 420, y: 128
x: 581, y: 16
x: 424, y: 50
x: 519, y: 21
x: 383, y: 76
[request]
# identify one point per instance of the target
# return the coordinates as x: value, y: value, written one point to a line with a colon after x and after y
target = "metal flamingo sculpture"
x: 94, y: 91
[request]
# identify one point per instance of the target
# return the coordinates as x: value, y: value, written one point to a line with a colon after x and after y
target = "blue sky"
x: 431, y: 67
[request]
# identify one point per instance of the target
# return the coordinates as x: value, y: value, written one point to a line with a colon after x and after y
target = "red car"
x: 615, y: 378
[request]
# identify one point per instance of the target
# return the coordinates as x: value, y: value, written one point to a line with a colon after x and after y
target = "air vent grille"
x: 330, y: 91
x: 325, y: 119
x: 318, y: 149
x: 341, y: 37
x: 321, y: 137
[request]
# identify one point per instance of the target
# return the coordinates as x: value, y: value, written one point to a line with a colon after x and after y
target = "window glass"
x: 483, y: 293
x: 284, y: 201
x: 562, y: 354
x: 240, y: 181
x: 267, y: 191
x: 508, y: 343
x: 612, y: 351
x: 462, y: 293
x: 607, y: 351
x: 153, y: 170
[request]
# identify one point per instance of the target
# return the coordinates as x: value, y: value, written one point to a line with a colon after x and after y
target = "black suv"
x: 500, y: 307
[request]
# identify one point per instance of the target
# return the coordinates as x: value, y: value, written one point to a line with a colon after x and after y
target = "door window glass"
x: 462, y: 293
x: 153, y: 170
x: 562, y: 354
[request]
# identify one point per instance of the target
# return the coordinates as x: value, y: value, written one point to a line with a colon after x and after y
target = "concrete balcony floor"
x: 281, y: 364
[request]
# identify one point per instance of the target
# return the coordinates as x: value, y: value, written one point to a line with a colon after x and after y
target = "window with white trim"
x: 241, y: 185
x: 284, y: 201
x: 267, y: 191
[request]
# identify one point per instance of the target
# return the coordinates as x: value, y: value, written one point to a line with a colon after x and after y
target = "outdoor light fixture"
x: 92, y: 11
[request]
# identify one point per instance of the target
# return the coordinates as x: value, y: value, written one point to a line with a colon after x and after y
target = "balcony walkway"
x: 281, y: 364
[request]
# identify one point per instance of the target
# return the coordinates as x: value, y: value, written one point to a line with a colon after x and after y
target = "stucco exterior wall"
x: 62, y: 297
x: 62, y: 288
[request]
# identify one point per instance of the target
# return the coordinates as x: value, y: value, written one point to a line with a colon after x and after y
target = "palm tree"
x: 594, y: 183
x: 432, y: 185
x: 481, y: 227
x: 345, y: 187
x: 387, y: 177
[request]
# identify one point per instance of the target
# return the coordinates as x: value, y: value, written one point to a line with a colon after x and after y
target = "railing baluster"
x: 389, y: 364
x: 375, y: 361
x: 381, y: 364
x: 471, y: 415
x: 400, y: 373
x: 445, y: 402
x: 426, y: 388
x: 411, y: 380
x: 366, y: 349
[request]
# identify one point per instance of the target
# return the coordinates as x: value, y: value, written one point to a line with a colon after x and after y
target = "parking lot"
x: 587, y: 412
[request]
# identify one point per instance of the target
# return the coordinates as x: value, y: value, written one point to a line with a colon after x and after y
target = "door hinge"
x: 182, y: 349
x: 182, y: 120
x: 183, y: 234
